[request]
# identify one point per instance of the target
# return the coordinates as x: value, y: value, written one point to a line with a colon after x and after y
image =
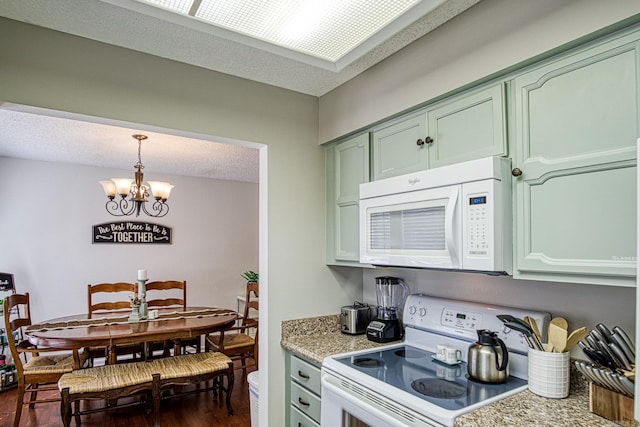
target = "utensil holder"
x: 549, y: 373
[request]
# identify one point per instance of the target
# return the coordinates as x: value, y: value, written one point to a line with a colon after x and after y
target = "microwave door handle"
x: 449, y: 219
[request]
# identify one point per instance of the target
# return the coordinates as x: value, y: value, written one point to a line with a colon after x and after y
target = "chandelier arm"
x: 139, y: 193
x: 125, y: 208
x: 159, y: 208
x: 112, y: 207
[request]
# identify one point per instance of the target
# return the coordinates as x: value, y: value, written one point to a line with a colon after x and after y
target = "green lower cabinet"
x: 576, y: 125
x: 302, y: 392
x: 298, y: 419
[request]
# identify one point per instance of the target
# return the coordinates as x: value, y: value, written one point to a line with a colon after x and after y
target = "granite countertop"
x: 319, y: 337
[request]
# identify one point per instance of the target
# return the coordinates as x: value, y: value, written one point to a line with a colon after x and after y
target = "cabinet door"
x: 396, y: 150
x: 576, y: 126
x: 347, y: 168
x: 469, y: 126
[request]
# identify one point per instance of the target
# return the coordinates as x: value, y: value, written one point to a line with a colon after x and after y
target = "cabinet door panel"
x: 572, y: 225
x: 576, y: 123
x: 470, y: 127
x: 395, y: 148
x: 585, y: 107
x: 347, y: 168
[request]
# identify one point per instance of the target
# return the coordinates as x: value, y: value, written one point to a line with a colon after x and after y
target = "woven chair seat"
x: 112, y: 377
x: 232, y: 341
x: 53, y: 363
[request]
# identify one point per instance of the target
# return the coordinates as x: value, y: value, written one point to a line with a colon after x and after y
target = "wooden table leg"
x: 112, y: 357
x: 177, y: 347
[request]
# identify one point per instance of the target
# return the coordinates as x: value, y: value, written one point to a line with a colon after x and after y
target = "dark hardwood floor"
x: 188, y: 411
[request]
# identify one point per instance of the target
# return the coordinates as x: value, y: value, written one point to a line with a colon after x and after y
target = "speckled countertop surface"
x: 318, y: 337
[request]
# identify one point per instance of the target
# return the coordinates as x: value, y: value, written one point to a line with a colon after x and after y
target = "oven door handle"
x: 332, y: 392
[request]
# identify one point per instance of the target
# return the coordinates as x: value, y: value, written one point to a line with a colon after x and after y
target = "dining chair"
x: 104, y: 299
x: 37, y: 371
x: 168, y: 294
x: 237, y: 342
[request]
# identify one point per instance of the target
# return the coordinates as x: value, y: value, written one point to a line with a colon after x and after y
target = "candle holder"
x: 142, y: 295
x: 135, y: 313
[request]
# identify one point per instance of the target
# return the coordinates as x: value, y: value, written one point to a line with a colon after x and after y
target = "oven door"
x: 347, y: 404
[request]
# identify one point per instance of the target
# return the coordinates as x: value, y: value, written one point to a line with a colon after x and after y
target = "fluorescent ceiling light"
x: 333, y: 31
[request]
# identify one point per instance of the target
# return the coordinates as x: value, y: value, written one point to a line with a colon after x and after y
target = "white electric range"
x: 403, y: 385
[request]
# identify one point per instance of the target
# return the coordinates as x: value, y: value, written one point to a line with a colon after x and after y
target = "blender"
x: 391, y: 293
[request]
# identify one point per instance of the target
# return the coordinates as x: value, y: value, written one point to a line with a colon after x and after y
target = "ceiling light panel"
x: 327, y: 29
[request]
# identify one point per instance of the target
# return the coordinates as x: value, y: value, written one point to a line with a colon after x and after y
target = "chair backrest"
x: 14, y: 321
x: 118, y: 298
x: 168, y: 293
x: 251, y: 303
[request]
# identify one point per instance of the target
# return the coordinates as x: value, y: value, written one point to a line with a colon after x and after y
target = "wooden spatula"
x: 574, y: 337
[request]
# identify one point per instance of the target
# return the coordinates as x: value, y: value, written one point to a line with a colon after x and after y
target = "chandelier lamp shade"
x: 139, y: 192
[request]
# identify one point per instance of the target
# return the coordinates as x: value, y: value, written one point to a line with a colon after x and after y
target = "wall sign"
x: 6, y: 281
x: 127, y: 232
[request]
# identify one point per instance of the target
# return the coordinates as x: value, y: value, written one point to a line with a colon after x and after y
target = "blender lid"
x: 387, y: 280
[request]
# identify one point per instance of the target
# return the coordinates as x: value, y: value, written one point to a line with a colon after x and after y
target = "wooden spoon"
x: 574, y: 337
x: 560, y: 322
x: 557, y: 338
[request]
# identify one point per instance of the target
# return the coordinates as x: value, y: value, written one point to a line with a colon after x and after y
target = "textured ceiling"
x: 36, y: 134
x: 51, y: 136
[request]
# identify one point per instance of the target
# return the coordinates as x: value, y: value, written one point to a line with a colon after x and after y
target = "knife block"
x: 611, y: 405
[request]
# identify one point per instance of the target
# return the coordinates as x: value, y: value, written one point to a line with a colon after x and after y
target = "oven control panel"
x: 462, y: 319
x: 458, y: 318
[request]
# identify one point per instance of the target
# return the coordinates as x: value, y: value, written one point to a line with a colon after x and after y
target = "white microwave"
x: 455, y: 217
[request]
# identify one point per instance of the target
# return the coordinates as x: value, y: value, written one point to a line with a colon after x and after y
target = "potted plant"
x: 250, y: 276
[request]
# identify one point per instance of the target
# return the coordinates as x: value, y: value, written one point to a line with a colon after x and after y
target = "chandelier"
x: 124, y: 187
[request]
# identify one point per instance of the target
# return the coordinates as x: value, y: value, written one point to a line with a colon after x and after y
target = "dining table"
x: 114, y: 329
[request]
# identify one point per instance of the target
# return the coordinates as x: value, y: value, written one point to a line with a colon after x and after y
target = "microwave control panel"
x: 478, y: 225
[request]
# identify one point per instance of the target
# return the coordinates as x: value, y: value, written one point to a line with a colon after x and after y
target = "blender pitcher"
x: 391, y: 293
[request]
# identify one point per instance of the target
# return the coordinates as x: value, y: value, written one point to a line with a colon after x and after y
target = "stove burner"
x: 435, y: 387
x: 368, y: 362
x: 409, y: 354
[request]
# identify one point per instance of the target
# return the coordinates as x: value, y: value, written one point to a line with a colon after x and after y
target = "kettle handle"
x: 505, y: 355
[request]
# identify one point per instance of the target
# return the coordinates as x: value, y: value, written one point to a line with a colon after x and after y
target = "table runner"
x: 114, y: 320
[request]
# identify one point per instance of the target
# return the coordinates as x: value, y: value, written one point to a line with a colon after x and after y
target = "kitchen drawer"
x: 305, y: 401
x: 306, y: 374
x: 299, y: 419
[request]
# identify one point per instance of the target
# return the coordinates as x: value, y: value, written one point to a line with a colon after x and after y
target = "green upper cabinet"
x: 399, y: 147
x: 576, y: 125
x: 347, y: 165
x: 468, y: 126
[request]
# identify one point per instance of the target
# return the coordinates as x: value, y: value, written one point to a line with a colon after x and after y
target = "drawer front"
x: 305, y: 401
x: 299, y: 419
x: 306, y: 374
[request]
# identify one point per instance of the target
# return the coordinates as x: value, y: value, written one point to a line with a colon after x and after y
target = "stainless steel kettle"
x: 488, y: 358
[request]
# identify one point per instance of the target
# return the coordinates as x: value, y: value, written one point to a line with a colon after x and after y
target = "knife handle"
x: 618, y: 330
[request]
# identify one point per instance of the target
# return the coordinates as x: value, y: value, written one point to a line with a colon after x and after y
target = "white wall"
x: 60, y: 72
x: 46, y: 229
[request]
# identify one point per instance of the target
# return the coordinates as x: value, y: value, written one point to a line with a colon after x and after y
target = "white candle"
x: 142, y: 274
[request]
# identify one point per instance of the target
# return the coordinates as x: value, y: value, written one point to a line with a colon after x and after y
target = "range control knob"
x: 412, y: 310
x: 423, y: 312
